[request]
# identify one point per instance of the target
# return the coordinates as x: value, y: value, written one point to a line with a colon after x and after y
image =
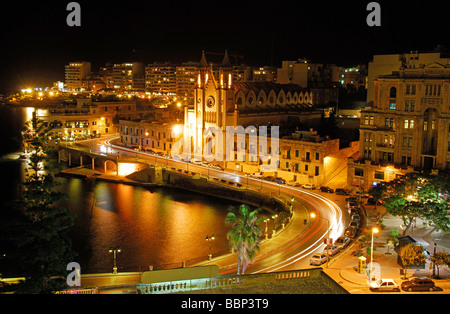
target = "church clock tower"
x: 214, y: 105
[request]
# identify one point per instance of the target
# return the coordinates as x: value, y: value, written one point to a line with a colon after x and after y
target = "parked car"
x: 332, y: 250
x: 361, y: 194
x: 256, y: 175
x: 384, y: 285
x: 293, y: 183
x: 353, y: 211
x: 371, y: 201
x: 268, y: 178
x: 341, y: 192
x: 418, y: 284
x: 279, y: 180
x: 351, y: 205
x: 342, y: 242
x: 326, y: 189
x: 355, y: 217
x: 318, y: 259
x: 351, y: 199
x: 350, y: 232
x: 309, y: 186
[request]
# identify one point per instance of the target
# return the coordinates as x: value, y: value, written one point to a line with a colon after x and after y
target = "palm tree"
x: 245, y: 235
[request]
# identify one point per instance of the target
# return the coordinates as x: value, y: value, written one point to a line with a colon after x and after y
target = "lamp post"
x: 374, y: 230
x: 274, y: 224
x: 209, y: 239
x: 266, y: 220
x: 313, y: 215
x: 115, y: 251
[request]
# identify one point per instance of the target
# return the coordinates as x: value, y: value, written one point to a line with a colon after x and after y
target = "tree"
x: 411, y: 255
x: 418, y: 195
x: 42, y: 244
x: 245, y: 234
x: 439, y: 259
x: 377, y: 192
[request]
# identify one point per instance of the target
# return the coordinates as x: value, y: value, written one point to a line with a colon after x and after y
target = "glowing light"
x: 176, y: 129
x: 127, y: 168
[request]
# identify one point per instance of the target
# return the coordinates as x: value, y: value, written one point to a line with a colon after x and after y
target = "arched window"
x: 393, y: 92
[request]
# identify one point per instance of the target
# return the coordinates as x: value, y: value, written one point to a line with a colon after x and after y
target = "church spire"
x: 203, y: 62
x: 226, y: 61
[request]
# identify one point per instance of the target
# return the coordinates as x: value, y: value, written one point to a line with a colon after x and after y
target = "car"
x: 279, y: 180
x: 384, y: 285
x: 326, y: 189
x: 354, y: 224
x: 353, y: 211
x: 341, y: 192
x: 268, y: 178
x: 309, y: 186
x: 351, y: 199
x: 371, y: 201
x: 332, y: 250
x: 351, y: 205
x: 418, y: 284
x: 256, y: 175
x: 356, y: 217
x: 342, y: 242
x: 350, y: 232
x: 293, y: 183
x: 361, y: 194
x: 318, y: 259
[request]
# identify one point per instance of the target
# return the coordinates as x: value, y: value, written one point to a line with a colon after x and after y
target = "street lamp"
x: 274, y: 217
x: 374, y: 230
x: 313, y: 215
x: 115, y: 251
x: 209, y: 238
x: 266, y: 220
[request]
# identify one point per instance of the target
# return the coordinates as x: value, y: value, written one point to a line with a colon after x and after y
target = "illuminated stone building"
x: 407, y: 128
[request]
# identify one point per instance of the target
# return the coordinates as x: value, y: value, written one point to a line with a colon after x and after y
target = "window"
x: 392, y: 105
x: 359, y: 172
x: 296, y: 153
x: 379, y: 175
x: 371, y: 120
x: 317, y: 156
x: 406, y: 106
x: 409, y: 124
x: 393, y: 92
x: 413, y: 89
x: 408, y: 89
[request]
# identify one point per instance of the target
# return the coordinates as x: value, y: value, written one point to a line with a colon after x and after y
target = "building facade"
x: 407, y: 127
x: 75, y: 72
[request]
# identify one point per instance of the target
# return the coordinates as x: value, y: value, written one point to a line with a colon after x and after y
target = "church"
x: 218, y: 102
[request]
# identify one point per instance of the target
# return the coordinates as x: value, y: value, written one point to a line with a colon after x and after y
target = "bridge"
x: 83, y: 155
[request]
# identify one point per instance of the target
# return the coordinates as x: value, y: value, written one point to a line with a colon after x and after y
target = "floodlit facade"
x: 407, y: 128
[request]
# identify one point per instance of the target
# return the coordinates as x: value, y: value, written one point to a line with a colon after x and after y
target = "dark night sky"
x: 36, y: 42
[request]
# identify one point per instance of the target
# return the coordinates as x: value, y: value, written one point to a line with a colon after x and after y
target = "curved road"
x: 309, y: 240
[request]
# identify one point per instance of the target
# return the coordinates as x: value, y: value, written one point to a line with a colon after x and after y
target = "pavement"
x: 343, y: 268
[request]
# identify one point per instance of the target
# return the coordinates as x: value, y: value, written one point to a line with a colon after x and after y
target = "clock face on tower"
x: 210, y: 102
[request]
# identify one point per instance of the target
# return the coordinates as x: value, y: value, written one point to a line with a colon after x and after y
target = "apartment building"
x: 75, y: 72
x: 407, y: 128
x: 161, y: 79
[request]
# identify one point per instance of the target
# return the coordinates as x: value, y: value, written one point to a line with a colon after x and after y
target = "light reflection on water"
x: 162, y: 228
